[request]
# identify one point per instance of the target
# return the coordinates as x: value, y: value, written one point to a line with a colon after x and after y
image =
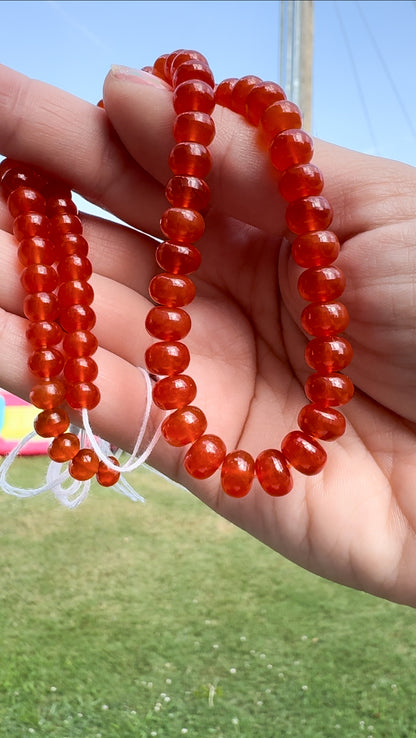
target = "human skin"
x: 353, y: 523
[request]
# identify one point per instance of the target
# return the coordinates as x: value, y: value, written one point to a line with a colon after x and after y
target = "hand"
x: 353, y: 523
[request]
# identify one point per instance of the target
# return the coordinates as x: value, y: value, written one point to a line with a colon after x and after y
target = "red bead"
x: 325, y: 424
x: 168, y: 324
x: 303, y: 453
x: 205, y: 456
x: 105, y: 476
x: 178, y: 258
x: 184, y: 426
x: 273, y: 473
x: 187, y: 192
x: 325, y: 319
x: 42, y: 334
x: 260, y: 97
x: 315, y: 249
x: 312, y: 213
x: 193, y: 95
x: 158, y: 68
x: 177, y: 58
x: 302, y: 180
x: 167, y: 357
x: 84, y: 465
x: 289, y: 148
x: 50, y: 423
x: 174, y: 392
x: 237, y: 473
x: 46, y: 362
x: 182, y: 225
x: 25, y: 199
x: 328, y: 355
x: 172, y: 290
x: 76, y: 292
x: 39, y: 278
x: 280, y: 116
x: 80, y: 343
x: 74, y: 267
x: 15, y: 174
x: 321, y: 284
x: 71, y: 243
x: 192, y: 69
x: 77, y: 318
x: 60, y: 203
x: 224, y: 90
x: 64, y: 223
x: 28, y: 225
x: 41, y: 306
x: 36, y: 250
x: 80, y: 369
x: 194, y: 126
x: 48, y: 394
x: 64, y: 447
x: 328, y: 391
x: 190, y: 159
x: 240, y: 92
x: 83, y: 395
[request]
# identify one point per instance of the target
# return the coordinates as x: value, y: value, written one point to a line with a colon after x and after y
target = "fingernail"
x: 137, y: 75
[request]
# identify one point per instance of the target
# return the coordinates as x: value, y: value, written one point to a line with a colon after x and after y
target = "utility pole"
x: 296, y: 54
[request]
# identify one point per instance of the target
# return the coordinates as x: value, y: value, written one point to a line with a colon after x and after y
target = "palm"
x: 355, y: 521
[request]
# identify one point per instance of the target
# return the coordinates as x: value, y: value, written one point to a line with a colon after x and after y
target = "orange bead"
x: 36, y: 250
x: 39, y: 278
x: 48, y: 394
x: 107, y: 477
x: 64, y: 447
x: 325, y: 319
x: 193, y: 95
x: 329, y: 391
x: 321, y: 284
x: 28, y: 225
x: 182, y: 225
x: 83, y: 395
x: 315, y: 249
x: 172, y: 290
x: 260, y: 97
x: 184, y: 191
x: 25, y: 199
x: 273, y: 473
x: 280, y: 116
x: 328, y: 355
x: 192, y: 69
x: 240, y: 92
x: 50, y: 423
x: 46, y: 363
x: 60, y: 203
x: 304, y: 453
x: 190, y: 159
x: 158, y: 68
x: 178, y: 258
x: 169, y: 60
x: 77, y: 318
x: 80, y: 369
x: 325, y: 424
x: 71, y: 243
x: 167, y: 357
x: 43, y: 334
x: 84, y: 465
x: 75, y: 292
x: 312, y: 213
x: 184, y: 426
x: 289, y: 148
x: 74, y: 267
x: 178, y: 58
x: 15, y: 174
x: 205, y: 456
x: 224, y: 90
x: 194, y: 126
x: 80, y: 343
x: 174, y: 392
x: 41, y: 306
x: 237, y: 473
x: 301, y: 180
x: 63, y: 223
x: 168, y: 324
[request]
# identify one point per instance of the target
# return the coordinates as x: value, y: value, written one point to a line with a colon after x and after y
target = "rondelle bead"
x: 50, y: 423
x: 172, y: 290
x: 64, y: 447
x: 28, y: 225
x: 307, y: 214
x: 74, y: 267
x: 223, y: 92
x: 76, y: 292
x: 260, y: 97
x: 280, y: 116
x: 80, y: 343
x: 48, y: 394
x: 315, y: 249
x: 80, y: 369
x: 71, y: 243
x: 194, y: 126
x: 304, y: 453
x: 205, y: 456
x: 39, y: 278
x: 178, y: 258
x: 325, y: 319
x: 184, y: 426
x: 192, y: 69
x: 325, y: 424
x: 36, y: 250
x: 193, y: 95
x: 273, y: 473
x: 182, y: 225
x: 327, y: 391
x: 25, y: 199
x: 237, y: 473
x: 321, y: 284
x: 174, y: 392
x: 43, y: 334
x: 167, y: 357
x: 299, y: 181
x: 289, y: 148
x: 41, y: 306
x: 184, y: 191
x: 46, y: 363
x: 105, y: 476
x: 83, y: 395
x: 77, y: 318
x: 84, y: 465
x: 240, y: 92
x: 328, y: 355
x: 190, y: 159
x: 168, y: 324
x: 63, y: 223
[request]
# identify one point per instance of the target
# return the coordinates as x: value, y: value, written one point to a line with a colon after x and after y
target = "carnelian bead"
x: 328, y: 355
x: 190, y: 158
x: 329, y: 391
x: 60, y: 203
x: 39, y: 278
x: 80, y: 369
x: 46, y: 362
x: 168, y: 324
x: 74, y: 267
x: 325, y: 424
x: 84, y: 465
x: 194, y: 126
x: 106, y: 477
x: 28, y: 225
x: 63, y: 223
x: 315, y: 249
x: 184, y: 426
x: 25, y: 199
x: 174, y: 392
x: 193, y: 95
x: 184, y: 55
x: 289, y: 148
x: 178, y: 258
x: 158, y: 68
x: 260, y: 97
x: 64, y: 447
x: 182, y: 225
x: 77, y: 318
x: 307, y: 214
x: 205, y: 456
x: 17, y: 175
x: 224, y: 90
x: 273, y: 473
x: 80, y: 343
x: 278, y: 117
x: 51, y: 423
x: 237, y: 473
x: 187, y: 192
x: 302, y: 180
x: 304, y: 453
x: 168, y: 63
x: 240, y: 93
x: 76, y: 292
x: 41, y: 306
x: 172, y: 290
x: 192, y: 69
x: 167, y: 357
x: 325, y: 319
x: 83, y: 395
x: 36, y: 250
x: 48, y: 394
x: 71, y: 243
x: 43, y: 333
x: 321, y: 284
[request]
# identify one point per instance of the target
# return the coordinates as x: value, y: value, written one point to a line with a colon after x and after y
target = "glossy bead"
x: 80, y: 343
x: 325, y: 319
x: 273, y: 473
x: 77, y: 318
x: 63, y: 223
x: 15, y: 174
x: 76, y: 292
x: 328, y: 355
x: 46, y: 362
x: 43, y: 334
x: 194, y: 126
x: 224, y: 90
x: 60, y: 203
x: 237, y: 473
x: 74, y: 267
x: 205, y: 456
x: 182, y: 225
x: 304, y: 453
x: 84, y: 465
x: 41, y: 306
x: 240, y: 92
x: 280, y: 116
x: 325, y: 424
x: 25, y: 199
x: 184, y: 426
x: 193, y: 95
x: 299, y: 181
x: 83, y: 395
x: 71, y: 243
x: 321, y: 284
x: 167, y: 357
x: 28, y: 225
x: 168, y: 63
x: 178, y: 258
x: 158, y: 68
x: 174, y: 392
x: 64, y: 447
x: 190, y: 158
x: 315, y: 249
x: 36, y: 250
x: 307, y: 214
x: 168, y: 324
x: 48, y: 394
x: 172, y: 290
x: 329, y: 391
x: 178, y: 58
x: 51, y: 423
x: 192, y: 69
x: 290, y: 148
x: 39, y: 278
x: 80, y: 369
x: 260, y: 97
x: 106, y: 477
x: 184, y: 191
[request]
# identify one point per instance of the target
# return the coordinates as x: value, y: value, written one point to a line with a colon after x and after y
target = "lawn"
x: 123, y: 619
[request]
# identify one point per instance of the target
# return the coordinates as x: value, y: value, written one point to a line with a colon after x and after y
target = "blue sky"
x: 364, y: 80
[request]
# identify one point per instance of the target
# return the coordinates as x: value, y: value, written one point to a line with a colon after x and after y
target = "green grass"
x: 126, y: 620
